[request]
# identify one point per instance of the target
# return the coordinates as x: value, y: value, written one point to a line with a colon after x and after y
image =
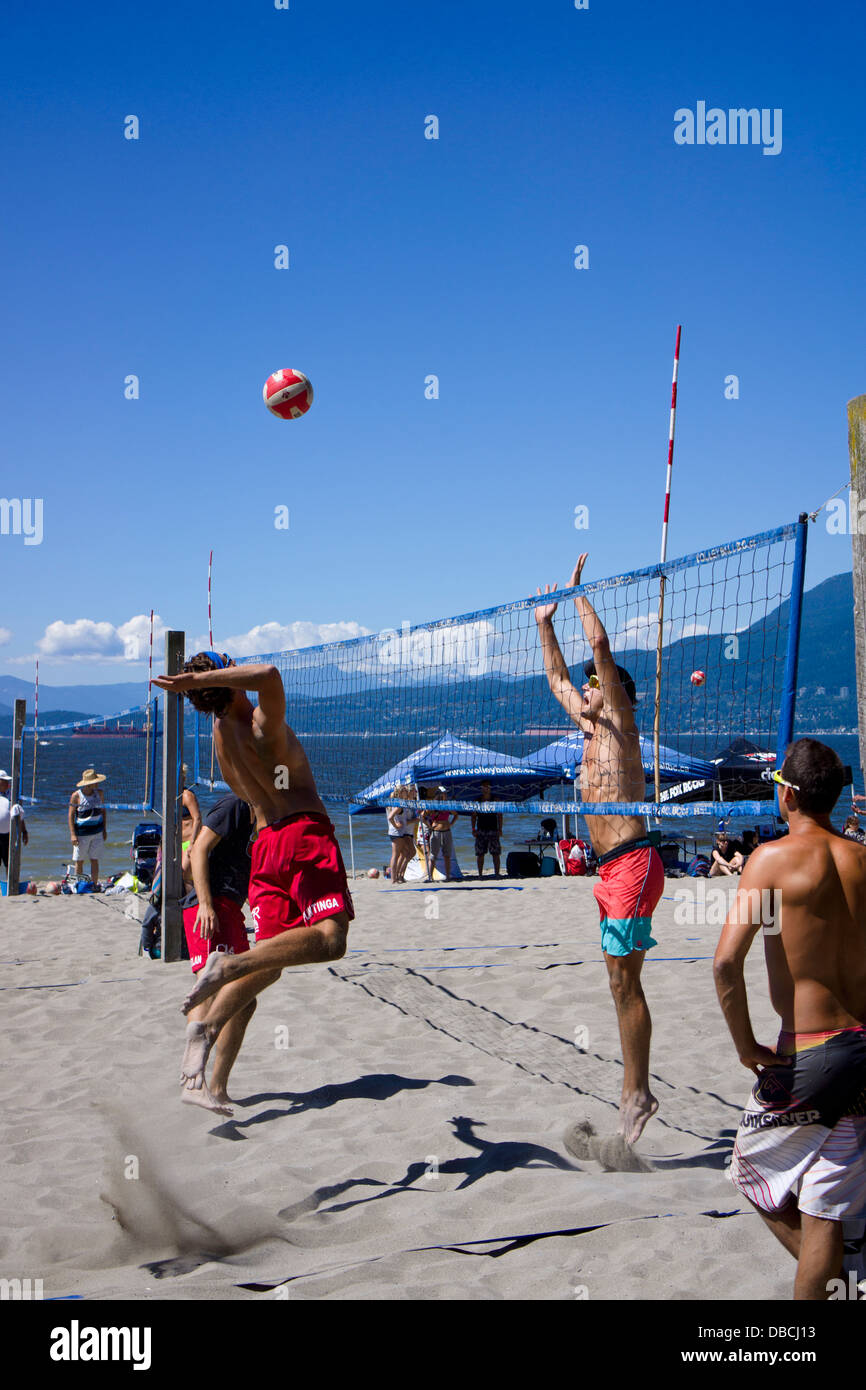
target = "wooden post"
x: 857, y: 451
x: 14, y: 871
x: 172, y: 737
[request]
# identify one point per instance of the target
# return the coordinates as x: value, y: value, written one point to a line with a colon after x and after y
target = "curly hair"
x: 213, y: 699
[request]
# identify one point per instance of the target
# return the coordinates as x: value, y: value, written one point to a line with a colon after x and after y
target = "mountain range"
x: 740, y: 694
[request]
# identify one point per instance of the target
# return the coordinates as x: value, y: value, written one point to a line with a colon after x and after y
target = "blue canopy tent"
x: 559, y: 761
x: 460, y: 766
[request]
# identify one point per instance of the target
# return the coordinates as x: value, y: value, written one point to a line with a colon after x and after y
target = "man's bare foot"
x: 207, y: 981
x: 634, y: 1112
x: 221, y: 1096
x: 196, y: 1052
x: 203, y: 1097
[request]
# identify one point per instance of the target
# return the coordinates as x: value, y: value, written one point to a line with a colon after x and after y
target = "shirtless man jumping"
x: 630, y: 867
x: 298, y: 892
x: 800, y: 1152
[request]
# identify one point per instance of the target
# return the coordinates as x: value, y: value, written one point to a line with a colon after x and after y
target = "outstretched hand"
x: 578, y: 570
x: 176, y: 684
x: 545, y: 610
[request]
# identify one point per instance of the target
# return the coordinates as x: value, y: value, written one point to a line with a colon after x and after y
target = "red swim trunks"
x: 231, y: 934
x: 628, y: 891
x: 298, y: 877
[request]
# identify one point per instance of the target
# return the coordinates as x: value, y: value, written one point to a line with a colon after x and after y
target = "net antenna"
x: 664, y: 551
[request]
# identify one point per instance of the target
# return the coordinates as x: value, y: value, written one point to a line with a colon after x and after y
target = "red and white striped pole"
x: 658, y: 698
x: 209, y: 613
x: 671, y: 444
x: 150, y: 659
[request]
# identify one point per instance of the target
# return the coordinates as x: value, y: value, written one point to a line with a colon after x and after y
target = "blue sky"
x: 409, y: 257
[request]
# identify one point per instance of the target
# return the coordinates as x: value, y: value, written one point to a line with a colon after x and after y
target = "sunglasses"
x: 779, y: 779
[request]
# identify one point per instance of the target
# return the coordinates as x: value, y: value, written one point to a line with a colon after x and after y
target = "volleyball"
x: 698, y: 677
x: 287, y: 394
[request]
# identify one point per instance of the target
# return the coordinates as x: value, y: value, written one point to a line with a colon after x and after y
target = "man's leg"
x: 785, y: 1225
x: 821, y: 1253
x: 301, y: 946
x: 496, y: 863
x: 638, y: 1104
x: 240, y: 997
x: 94, y: 871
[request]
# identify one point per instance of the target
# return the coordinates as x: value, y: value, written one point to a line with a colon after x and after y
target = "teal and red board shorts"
x: 627, y: 893
x: 231, y: 934
x: 297, y: 877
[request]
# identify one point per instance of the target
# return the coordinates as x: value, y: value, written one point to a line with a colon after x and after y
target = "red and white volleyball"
x: 698, y: 677
x: 287, y: 394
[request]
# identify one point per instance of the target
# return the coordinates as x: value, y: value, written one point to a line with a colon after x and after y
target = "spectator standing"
x: 8, y: 813
x: 88, y: 822
x: 487, y: 829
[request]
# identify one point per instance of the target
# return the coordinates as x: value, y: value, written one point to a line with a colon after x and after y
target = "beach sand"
x: 400, y: 1118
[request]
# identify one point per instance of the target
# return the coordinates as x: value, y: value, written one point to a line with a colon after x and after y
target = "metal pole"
x: 14, y: 870
x: 789, y: 681
x: 172, y: 877
x: 351, y: 845
x: 857, y: 451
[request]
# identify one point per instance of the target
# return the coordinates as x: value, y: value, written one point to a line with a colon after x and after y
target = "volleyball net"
x: 444, y: 706
x: 124, y: 748
x: 436, y: 709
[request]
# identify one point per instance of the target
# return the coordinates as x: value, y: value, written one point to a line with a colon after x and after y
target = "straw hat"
x: 90, y: 778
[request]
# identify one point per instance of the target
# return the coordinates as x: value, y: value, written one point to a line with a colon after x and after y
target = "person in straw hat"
x: 88, y: 822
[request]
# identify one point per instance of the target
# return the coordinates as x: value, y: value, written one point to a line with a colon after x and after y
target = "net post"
x: 154, y: 707
x: 14, y: 869
x: 172, y: 878
x: 792, y: 655
x: 351, y: 845
x: 857, y: 453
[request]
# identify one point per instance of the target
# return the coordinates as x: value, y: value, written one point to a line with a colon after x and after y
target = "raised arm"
x: 617, y: 705
x: 558, y: 675
x: 263, y: 678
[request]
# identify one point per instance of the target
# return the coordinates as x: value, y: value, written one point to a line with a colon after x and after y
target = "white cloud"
x: 279, y: 637
x: 86, y: 640
x: 641, y: 632
x: 5, y: 636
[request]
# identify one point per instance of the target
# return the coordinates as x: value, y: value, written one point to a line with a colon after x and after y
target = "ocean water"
x: 61, y: 763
